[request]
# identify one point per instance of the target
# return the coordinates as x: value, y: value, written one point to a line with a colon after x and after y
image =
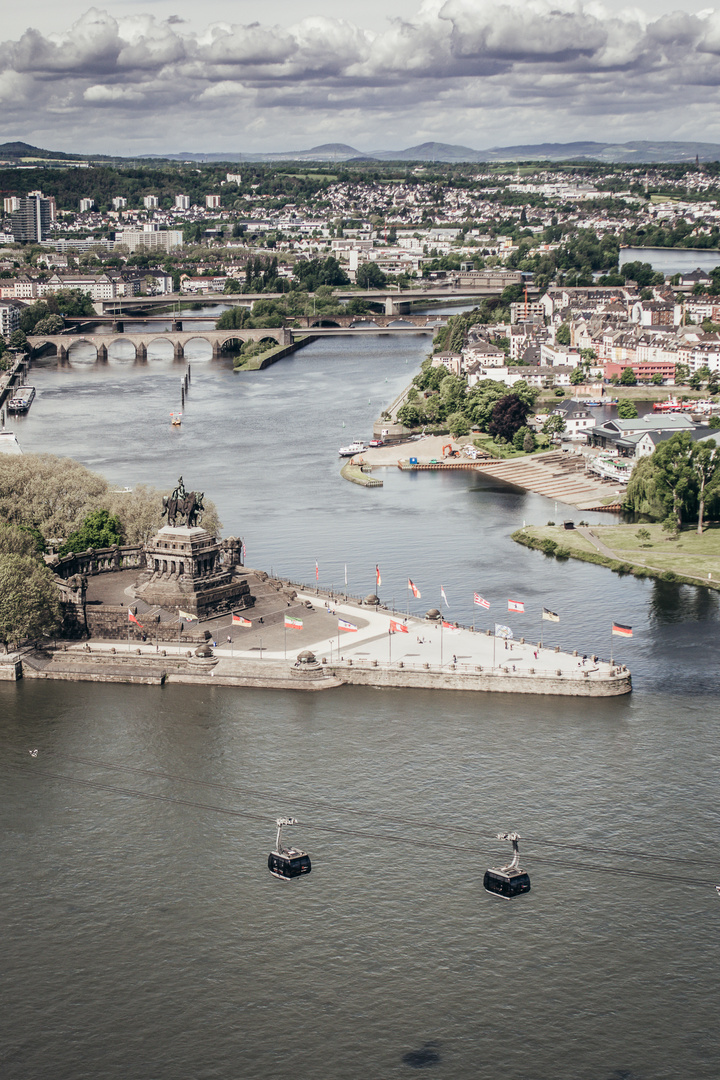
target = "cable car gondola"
x: 286, y: 863
x: 507, y: 881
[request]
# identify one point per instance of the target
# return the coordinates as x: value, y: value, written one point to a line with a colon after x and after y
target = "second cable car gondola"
x: 507, y: 881
x: 286, y: 863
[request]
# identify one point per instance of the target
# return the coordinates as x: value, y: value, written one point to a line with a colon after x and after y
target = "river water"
x: 145, y: 938
x: 672, y: 260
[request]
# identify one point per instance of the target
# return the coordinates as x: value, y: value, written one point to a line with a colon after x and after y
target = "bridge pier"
x: 178, y: 351
x: 118, y: 327
x: 102, y: 354
x: 141, y: 353
x: 177, y: 325
x: 216, y: 350
x: 62, y: 354
x: 390, y: 308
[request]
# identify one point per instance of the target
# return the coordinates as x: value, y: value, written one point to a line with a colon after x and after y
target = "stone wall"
x: 108, y: 622
x: 100, y: 560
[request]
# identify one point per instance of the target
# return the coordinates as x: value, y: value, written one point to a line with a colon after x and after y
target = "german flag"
x: 622, y: 631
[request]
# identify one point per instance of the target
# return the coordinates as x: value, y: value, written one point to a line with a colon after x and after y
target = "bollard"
x: 575, y: 652
x: 531, y: 671
x: 558, y: 671
x: 522, y: 640
x: 557, y: 648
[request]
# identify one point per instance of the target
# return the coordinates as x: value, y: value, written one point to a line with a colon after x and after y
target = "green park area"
x: 646, y: 550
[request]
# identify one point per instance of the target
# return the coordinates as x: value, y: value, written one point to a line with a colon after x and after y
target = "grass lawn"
x: 688, y: 555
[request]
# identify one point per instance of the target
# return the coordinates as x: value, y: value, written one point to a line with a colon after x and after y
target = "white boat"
x: 357, y: 447
x: 21, y: 400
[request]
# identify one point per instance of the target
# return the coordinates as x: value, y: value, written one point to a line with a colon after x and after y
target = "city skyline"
x: 135, y: 78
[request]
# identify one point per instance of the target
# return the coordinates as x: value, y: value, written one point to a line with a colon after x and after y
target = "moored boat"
x: 21, y: 400
x: 356, y: 447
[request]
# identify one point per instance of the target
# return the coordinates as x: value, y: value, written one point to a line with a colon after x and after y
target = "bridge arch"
x: 162, y: 346
x: 364, y: 324
x: 325, y: 323
x: 76, y: 350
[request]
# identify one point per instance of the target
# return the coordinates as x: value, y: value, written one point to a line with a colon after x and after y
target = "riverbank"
x: 419, y: 653
x: 640, y: 550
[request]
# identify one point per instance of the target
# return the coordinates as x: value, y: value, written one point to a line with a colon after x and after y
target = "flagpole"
x: 441, y: 643
x: 494, y: 638
x: 285, y: 638
x: 389, y: 646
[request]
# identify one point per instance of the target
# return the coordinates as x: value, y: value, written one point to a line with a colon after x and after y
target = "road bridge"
x: 84, y: 323
x: 393, y: 299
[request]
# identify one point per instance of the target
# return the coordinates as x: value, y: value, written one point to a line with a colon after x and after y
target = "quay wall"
x: 102, y: 666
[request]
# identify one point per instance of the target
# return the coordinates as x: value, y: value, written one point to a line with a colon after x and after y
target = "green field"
x: 685, y: 557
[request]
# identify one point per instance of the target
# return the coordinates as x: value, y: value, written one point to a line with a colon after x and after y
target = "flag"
x: 516, y: 605
x: 503, y: 631
x: 442, y: 593
x: 551, y: 616
x: 623, y: 631
x: 398, y: 627
x: 450, y: 627
x: 317, y: 570
x: 413, y: 589
x: 293, y: 624
x: 132, y: 618
x: 345, y: 575
x: 187, y: 616
x: 477, y: 599
x: 343, y: 625
x: 378, y: 579
x: 244, y: 553
x: 238, y: 620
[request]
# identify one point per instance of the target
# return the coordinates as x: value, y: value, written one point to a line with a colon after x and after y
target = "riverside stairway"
x: 556, y: 475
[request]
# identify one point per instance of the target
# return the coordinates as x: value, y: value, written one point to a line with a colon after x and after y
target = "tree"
x: 458, y: 424
x: 682, y: 372
x: 657, y: 379
x: 577, y: 376
x: 17, y: 340
x: 51, y: 324
x: 29, y: 601
x: 98, y: 530
x: 562, y: 337
x: 554, y: 425
x: 705, y: 461
x: 232, y: 285
x: 627, y: 377
x: 370, y: 276
x: 529, y: 442
x: 675, y: 476
x: 508, y: 414
x: 626, y: 409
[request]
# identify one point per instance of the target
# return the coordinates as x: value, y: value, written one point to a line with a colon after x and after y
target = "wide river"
x: 144, y: 938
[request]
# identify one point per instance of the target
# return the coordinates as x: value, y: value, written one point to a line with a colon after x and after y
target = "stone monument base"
x: 188, y: 569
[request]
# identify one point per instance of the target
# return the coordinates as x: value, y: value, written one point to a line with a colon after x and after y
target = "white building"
x: 182, y: 202
x: 212, y: 202
x: 150, y: 202
x: 119, y: 203
x: 150, y: 240
x: 9, y: 319
x: 233, y: 178
x: 11, y: 204
x: 86, y: 205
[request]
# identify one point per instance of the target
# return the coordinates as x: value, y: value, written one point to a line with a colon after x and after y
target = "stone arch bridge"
x: 178, y: 339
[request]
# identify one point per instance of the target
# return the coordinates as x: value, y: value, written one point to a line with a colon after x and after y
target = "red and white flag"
x: 413, y: 589
x: 516, y: 605
x: 132, y: 618
x: 239, y: 620
x: 317, y: 570
x: 442, y: 593
x: 398, y: 627
x: 477, y: 599
x: 378, y: 579
x: 450, y: 627
x: 344, y: 625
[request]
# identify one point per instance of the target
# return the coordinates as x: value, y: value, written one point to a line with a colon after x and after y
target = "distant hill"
x: 618, y: 153
x: 643, y: 151
x: 24, y: 150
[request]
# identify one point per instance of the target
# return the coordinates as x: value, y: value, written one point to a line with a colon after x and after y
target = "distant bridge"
x: 359, y: 322
x: 343, y: 326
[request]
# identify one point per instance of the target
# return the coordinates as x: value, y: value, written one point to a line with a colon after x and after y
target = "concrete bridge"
x: 100, y: 342
x: 83, y: 323
x: 371, y: 321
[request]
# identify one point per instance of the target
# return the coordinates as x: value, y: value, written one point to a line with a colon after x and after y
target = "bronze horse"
x: 189, y: 507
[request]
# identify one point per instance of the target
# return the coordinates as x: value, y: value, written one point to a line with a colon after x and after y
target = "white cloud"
x: 456, y: 62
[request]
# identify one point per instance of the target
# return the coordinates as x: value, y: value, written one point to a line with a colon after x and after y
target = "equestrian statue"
x: 183, y: 504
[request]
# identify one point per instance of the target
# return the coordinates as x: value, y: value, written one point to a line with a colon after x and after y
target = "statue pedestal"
x: 187, y: 568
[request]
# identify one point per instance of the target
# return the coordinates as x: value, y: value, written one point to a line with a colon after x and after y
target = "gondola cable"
x: 135, y: 793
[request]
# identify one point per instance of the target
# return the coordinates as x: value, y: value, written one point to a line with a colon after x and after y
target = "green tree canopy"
x: 29, y: 601
x: 626, y: 409
x: 627, y: 377
x: 98, y: 530
x: 508, y: 414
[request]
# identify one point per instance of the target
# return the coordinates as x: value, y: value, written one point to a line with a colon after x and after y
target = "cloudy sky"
x: 144, y: 76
